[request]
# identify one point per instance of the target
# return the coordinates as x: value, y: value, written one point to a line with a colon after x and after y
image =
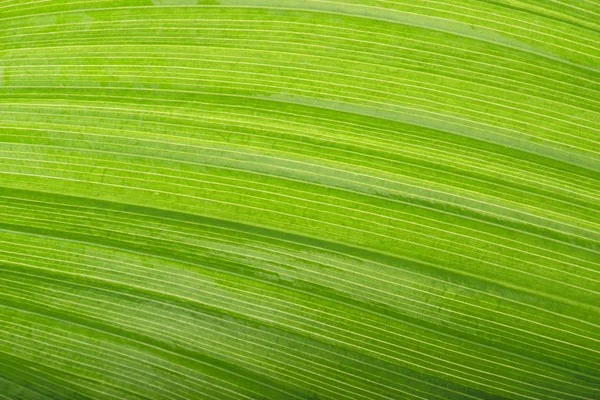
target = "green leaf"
x: 299, y: 199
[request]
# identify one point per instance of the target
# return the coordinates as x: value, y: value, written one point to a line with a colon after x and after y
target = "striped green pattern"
x: 299, y: 199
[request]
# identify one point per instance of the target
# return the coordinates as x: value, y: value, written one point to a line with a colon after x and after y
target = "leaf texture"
x: 299, y: 199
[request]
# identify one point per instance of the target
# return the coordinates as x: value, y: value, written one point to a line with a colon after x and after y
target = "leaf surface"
x: 300, y: 199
